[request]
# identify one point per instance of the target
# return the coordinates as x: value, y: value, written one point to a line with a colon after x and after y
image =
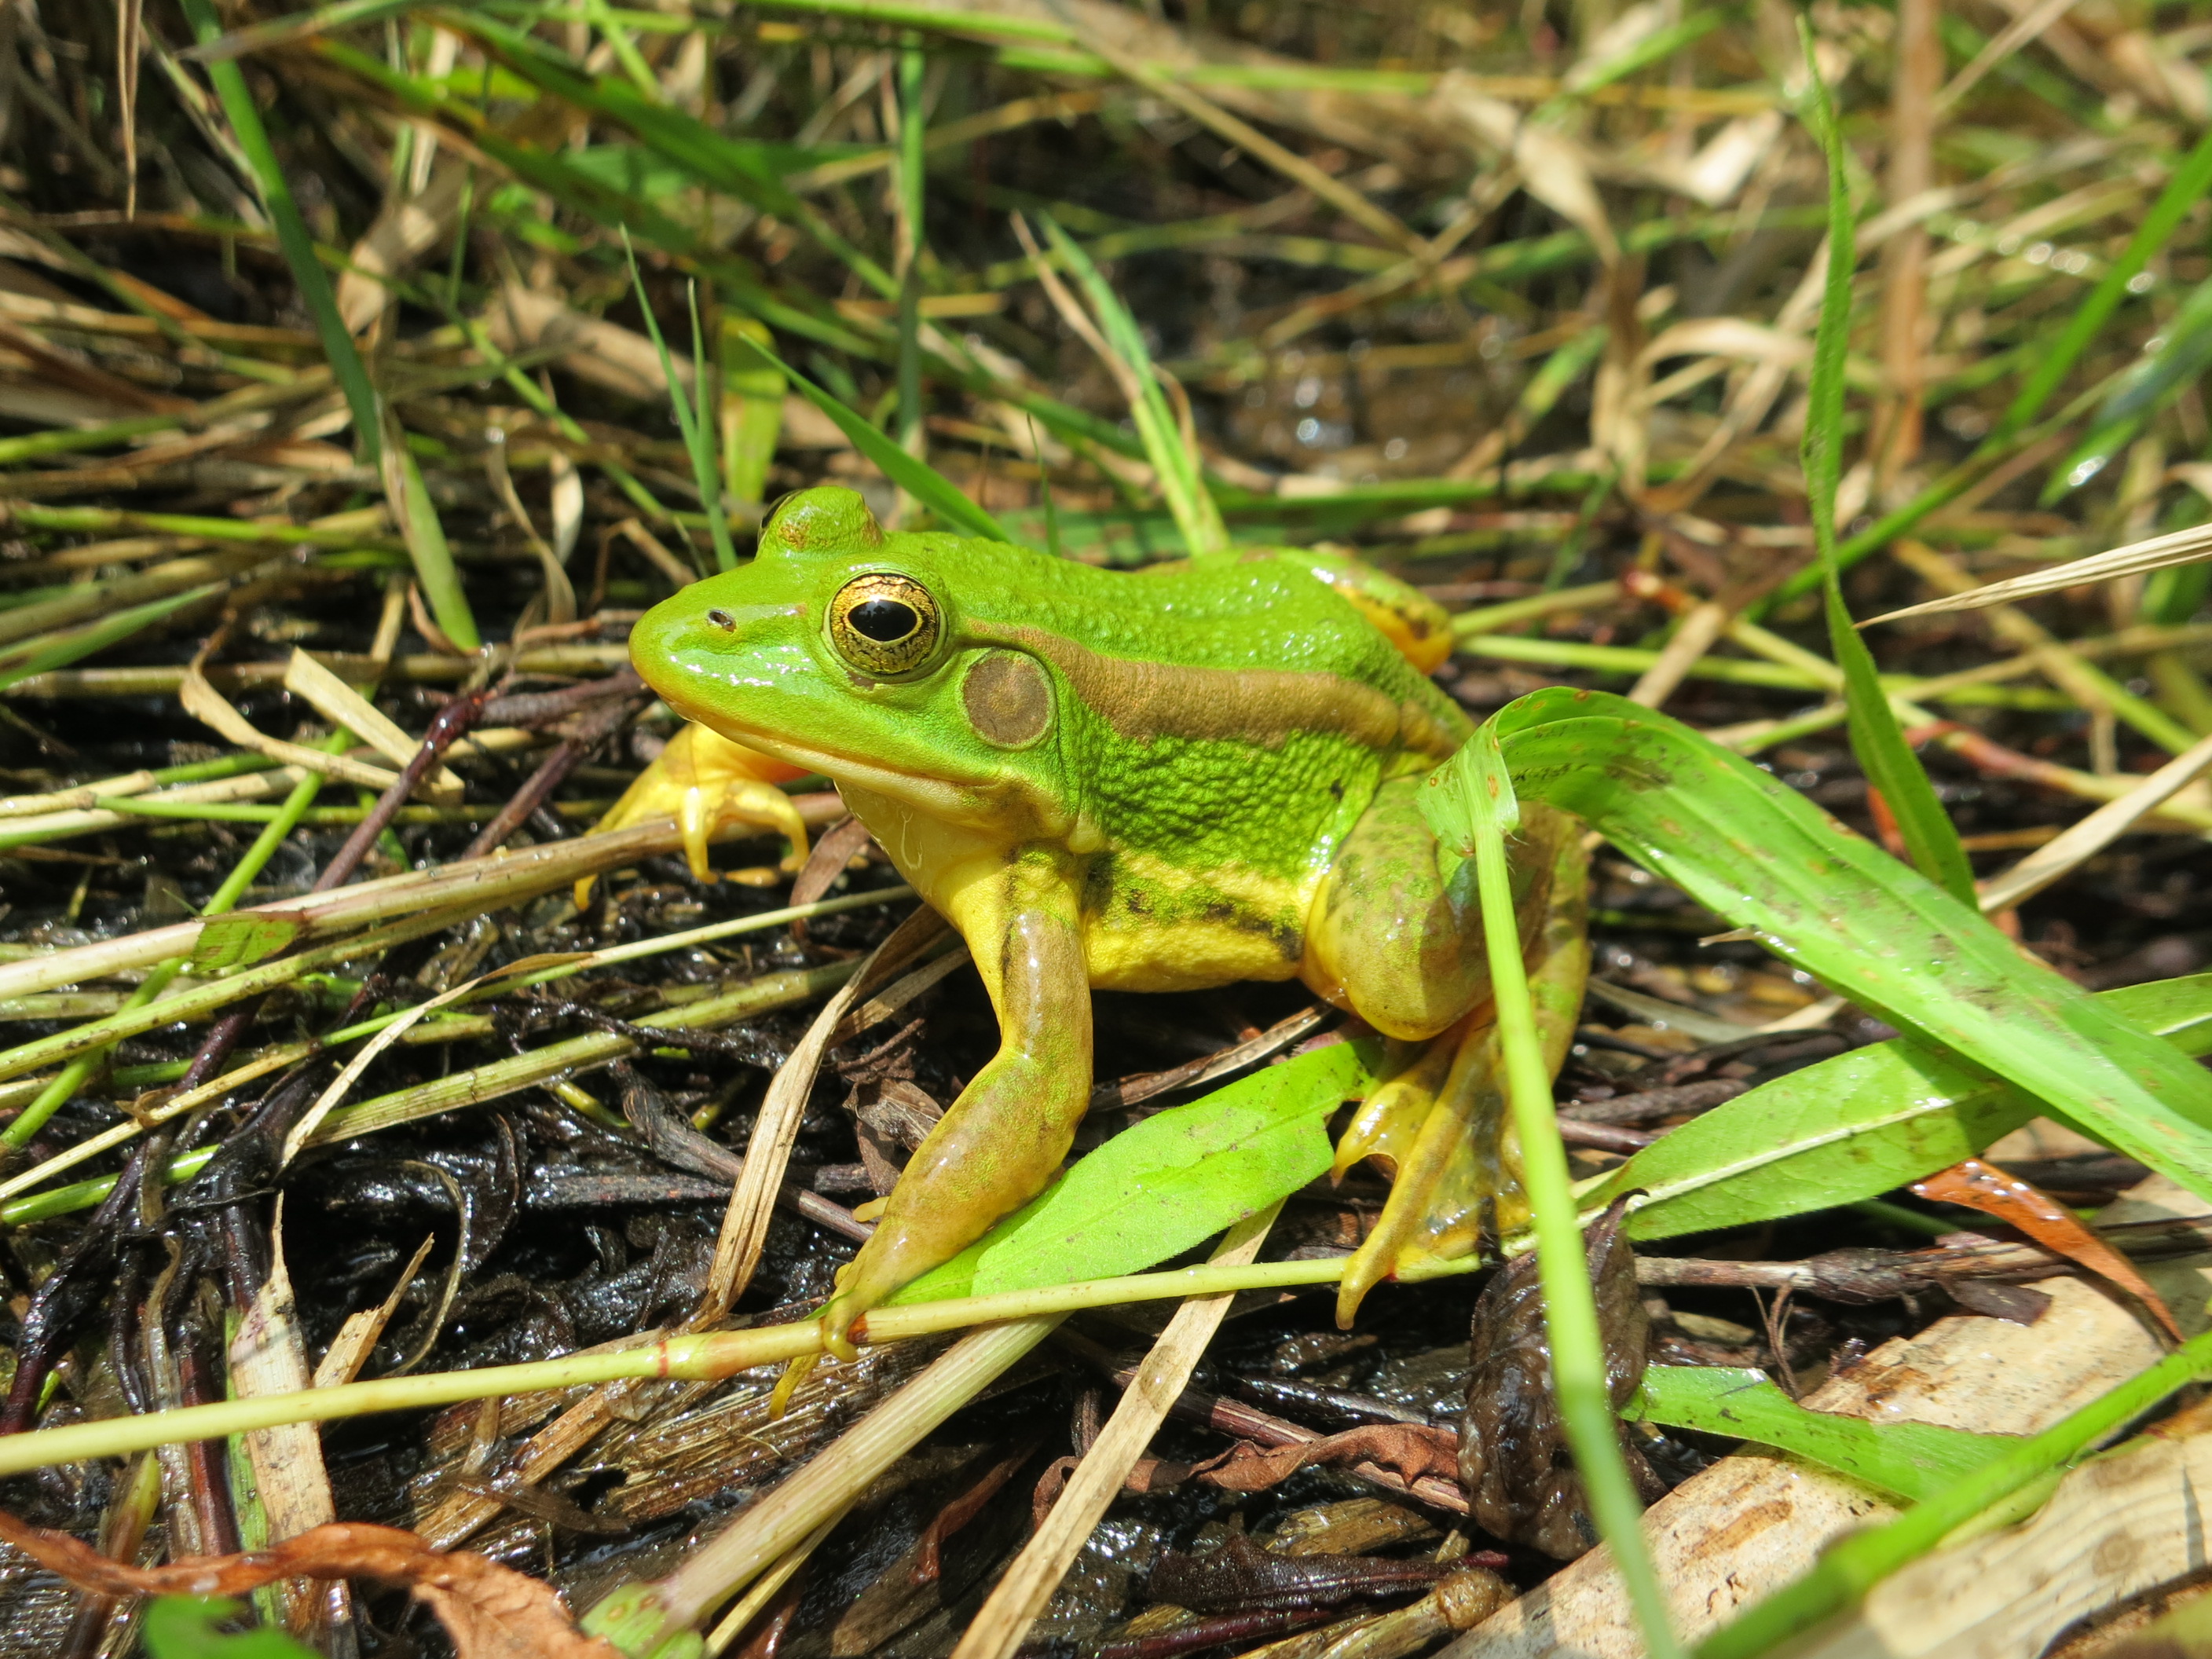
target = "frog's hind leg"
x: 1440, y: 1122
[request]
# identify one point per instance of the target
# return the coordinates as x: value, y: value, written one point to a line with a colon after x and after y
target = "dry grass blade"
x: 2159, y: 553
x: 207, y: 705
x: 744, y: 1224
x: 346, y: 708
x: 1005, y: 1619
x: 2075, y: 846
x: 268, y: 1355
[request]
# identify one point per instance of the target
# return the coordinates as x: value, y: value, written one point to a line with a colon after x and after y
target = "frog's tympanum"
x: 1154, y: 780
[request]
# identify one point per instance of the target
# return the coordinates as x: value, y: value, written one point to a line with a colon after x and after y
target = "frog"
x: 1164, y: 779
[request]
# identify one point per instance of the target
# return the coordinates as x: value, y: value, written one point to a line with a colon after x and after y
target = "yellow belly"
x: 1148, y: 926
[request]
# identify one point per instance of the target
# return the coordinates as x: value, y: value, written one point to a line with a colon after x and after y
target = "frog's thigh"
x: 999, y: 1143
x: 1396, y: 938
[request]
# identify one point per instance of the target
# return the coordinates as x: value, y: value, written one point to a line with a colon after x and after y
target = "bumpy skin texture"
x: 1136, y: 781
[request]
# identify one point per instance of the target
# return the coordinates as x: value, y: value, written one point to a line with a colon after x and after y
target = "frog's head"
x: 842, y: 649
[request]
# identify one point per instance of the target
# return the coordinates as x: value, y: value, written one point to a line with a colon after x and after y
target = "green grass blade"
x: 2053, y: 361
x: 1749, y: 847
x: 433, y: 556
x: 594, y: 198
x: 59, y: 650
x: 699, y: 438
x: 752, y: 409
x: 294, y: 26
x: 1855, y: 1127
x: 576, y: 187
x: 700, y: 448
x: 918, y: 478
x: 1470, y: 798
x: 1855, y: 1564
x: 1884, y: 755
x: 2142, y: 392
x: 912, y: 172
x: 714, y: 162
x: 315, y: 285
x: 1912, y: 1460
x: 1182, y: 479
x: 2191, y: 180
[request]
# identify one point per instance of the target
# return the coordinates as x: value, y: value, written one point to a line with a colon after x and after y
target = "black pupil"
x: 885, y: 621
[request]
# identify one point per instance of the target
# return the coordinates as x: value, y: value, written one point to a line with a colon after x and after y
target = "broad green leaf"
x: 184, y: 1627
x: 1883, y: 754
x: 240, y: 941
x: 1746, y: 846
x: 1175, y: 1179
x: 1912, y: 1460
x: 1855, y: 1127
x: 918, y: 478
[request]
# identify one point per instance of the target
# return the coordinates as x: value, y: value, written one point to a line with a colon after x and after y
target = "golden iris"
x: 885, y: 623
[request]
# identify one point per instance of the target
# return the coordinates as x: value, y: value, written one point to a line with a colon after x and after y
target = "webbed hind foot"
x: 1441, y: 1123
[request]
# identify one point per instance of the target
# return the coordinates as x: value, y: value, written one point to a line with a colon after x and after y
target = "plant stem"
x: 696, y: 1358
x: 33, y: 1117
x: 912, y: 169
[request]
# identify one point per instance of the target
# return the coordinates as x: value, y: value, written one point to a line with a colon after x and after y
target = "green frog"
x: 1161, y: 779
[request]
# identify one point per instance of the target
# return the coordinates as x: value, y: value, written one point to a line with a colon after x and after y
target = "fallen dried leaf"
x: 491, y: 1612
x: 1984, y: 1186
x: 1410, y: 1451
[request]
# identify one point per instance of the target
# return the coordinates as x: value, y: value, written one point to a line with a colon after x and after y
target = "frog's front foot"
x: 992, y: 1151
x: 704, y: 780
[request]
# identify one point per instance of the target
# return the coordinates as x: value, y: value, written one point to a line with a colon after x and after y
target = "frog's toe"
x: 704, y: 780
x: 1388, y: 1122
x: 1450, y: 1169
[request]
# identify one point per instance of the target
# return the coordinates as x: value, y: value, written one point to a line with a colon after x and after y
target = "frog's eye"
x: 884, y: 623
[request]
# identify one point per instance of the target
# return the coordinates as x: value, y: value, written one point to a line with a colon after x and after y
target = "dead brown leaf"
x: 1408, y: 1450
x: 491, y: 1612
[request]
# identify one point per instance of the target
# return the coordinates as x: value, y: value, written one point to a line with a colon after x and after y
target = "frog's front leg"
x: 703, y: 780
x: 1003, y: 1138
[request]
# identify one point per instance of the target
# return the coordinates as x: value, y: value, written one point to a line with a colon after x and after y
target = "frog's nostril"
x: 723, y: 620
